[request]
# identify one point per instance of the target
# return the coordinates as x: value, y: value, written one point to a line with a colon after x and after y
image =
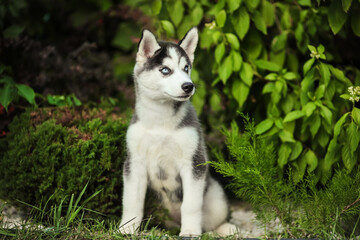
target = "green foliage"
x: 252, y: 166
x: 261, y: 65
x: 61, y: 100
x: 61, y: 151
x: 11, y: 91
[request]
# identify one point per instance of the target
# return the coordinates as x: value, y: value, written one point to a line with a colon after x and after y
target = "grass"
x: 70, y: 221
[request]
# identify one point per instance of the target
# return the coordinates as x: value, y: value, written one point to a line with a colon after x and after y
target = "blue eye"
x: 186, y: 69
x: 165, y: 70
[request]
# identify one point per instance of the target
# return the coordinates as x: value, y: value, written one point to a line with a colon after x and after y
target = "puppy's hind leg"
x: 216, y: 211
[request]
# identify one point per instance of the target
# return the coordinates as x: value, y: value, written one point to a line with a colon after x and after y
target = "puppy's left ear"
x: 189, y: 42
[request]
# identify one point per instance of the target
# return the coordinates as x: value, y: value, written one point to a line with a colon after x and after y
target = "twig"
x: 350, y: 205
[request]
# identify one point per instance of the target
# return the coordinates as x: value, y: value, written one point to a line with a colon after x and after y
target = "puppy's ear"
x: 147, y: 46
x: 189, y: 42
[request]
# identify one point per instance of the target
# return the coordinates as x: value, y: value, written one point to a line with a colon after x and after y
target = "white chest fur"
x: 163, y: 151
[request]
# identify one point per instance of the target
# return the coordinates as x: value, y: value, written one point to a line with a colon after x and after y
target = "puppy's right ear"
x: 147, y: 46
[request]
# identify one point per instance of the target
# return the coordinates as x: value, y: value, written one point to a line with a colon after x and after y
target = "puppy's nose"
x: 187, y: 87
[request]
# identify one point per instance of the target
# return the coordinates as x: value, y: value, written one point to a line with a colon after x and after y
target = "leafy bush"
x: 263, y: 62
x: 61, y: 151
x: 304, y: 210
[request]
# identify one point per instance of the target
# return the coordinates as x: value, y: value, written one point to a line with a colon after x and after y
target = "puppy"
x: 165, y: 144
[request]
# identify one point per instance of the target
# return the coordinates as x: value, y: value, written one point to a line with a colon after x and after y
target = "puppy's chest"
x: 165, y: 152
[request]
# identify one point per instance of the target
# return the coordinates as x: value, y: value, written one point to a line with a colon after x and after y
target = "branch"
x: 350, y: 205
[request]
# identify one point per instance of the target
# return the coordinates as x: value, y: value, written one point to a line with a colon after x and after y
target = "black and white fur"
x: 166, y: 149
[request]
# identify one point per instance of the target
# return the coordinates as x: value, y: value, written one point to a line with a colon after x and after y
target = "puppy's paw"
x: 189, y: 234
x: 128, y: 229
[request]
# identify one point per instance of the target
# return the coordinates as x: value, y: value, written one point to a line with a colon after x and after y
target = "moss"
x: 60, y: 150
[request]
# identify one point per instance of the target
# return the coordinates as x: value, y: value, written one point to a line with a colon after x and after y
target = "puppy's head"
x: 162, y: 69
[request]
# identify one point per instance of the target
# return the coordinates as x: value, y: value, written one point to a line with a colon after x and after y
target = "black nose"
x: 187, y: 87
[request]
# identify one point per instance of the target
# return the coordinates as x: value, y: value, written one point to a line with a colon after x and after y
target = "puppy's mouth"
x: 179, y: 98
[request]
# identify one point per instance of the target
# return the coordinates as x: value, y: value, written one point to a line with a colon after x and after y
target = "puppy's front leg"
x: 191, y: 208
x: 135, y: 182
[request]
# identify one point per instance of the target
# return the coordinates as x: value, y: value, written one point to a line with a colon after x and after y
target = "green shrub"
x: 304, y: 210
x: 61, y: 151
x: 263, y: 62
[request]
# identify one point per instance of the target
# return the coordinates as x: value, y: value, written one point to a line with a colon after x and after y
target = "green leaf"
x: 233, y: 5
x: 156, y: 6
x: 290, y: 76
x: 296, y: 151
x: 6, y: 96
x: 267, y: 65
x: 308, y: 65
x: 219, y: 52
x: 346, y: 4
x: 215, y: 102
x: 286, y: 19
x: 322, y: 138
x: 305, y: 3
x: 279, y: 42
x: 226, y: 69
x: 353, y: 136
x: 291, y: 116
x: 196, y: 14
x: 264, y: 126
x: 315, y: 125
x: 246, y: 73
x: 240, y: 92
x: 233, y: 40
x: 13, y: 31
x: 241, y: 22
x: 321, y: 49
x: 271, y: 76
x: 76, y: 101
x: 312, y: 48
x: 311, y: 160
x: 252, y: 4
x: 237, y: 60
x: 326, y: 114
x: 288, y: 103
x: 338, y: 74
x: 26, y: 92
x: 284, y: 153
x: 339, y: 124
x: 309, y: 108
x: 355, y: 114
x: 336, y: 16
x: 345, y: 96
x: 268, y: 88
x: 168, y: 27
x: 286, y: 136
x: 268, y: 12
x: 176, y: 11
x: 259, y: 21
x: 324, y: 73
x: 306, y: 84
x: 221, y: 18
x: 253, y: 44
x: 348, y: 157
x: 320, y: 91
x: 355, y: 20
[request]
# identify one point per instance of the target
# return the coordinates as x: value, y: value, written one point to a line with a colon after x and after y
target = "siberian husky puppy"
x: 165, y: 144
